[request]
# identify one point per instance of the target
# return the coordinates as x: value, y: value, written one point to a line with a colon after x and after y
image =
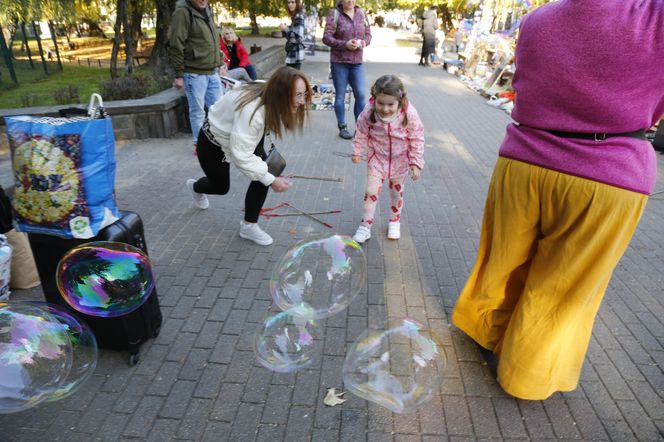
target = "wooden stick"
x: 320, y: 178
x: 309, y: 215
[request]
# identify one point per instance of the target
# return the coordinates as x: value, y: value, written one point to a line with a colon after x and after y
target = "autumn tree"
x: 159, y: 54
x: 256, y: 8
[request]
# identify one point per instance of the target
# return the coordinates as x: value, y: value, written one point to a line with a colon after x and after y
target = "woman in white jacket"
x: 234, y: 132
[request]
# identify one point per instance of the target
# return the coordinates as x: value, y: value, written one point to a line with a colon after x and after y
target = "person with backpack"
x: 347, y: 32
x: 193, y: 48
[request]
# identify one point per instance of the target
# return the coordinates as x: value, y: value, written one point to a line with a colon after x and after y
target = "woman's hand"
x: 356, y: 159
x: 280, y: 184
x: 283, y: 26
x: 351, y: 45
x: 414, y: 173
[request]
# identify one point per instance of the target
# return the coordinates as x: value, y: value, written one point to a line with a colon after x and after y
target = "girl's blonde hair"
x: 228, y: 28
x: 393, y: 86
x: 277, y: 97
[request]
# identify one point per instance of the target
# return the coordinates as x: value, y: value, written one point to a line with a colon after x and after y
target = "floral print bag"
x: 64, y: 173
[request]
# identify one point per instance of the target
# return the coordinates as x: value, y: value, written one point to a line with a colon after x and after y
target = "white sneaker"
x: 394, y: 230
x: 363, y: 233
x: 254, y: 233
x: 200, y: 199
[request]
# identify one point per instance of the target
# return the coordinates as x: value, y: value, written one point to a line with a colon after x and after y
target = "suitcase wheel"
x: 156, y: 332
x: 133, y: 359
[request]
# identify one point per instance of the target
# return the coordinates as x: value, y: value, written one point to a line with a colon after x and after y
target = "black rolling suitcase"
x: 125, y: 333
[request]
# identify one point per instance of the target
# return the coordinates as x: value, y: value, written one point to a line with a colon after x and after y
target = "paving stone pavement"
x: 199, y: 379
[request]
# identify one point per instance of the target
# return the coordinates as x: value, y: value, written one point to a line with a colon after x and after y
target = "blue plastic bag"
x: 64, y: 175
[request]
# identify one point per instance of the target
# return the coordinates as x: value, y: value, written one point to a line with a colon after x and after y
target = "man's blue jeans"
x: 202, y: 92
x: 344, y: 74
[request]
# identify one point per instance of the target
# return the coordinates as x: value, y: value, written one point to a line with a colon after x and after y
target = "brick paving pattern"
x: 199, y: 379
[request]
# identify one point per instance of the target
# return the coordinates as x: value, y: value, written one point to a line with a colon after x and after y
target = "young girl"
x: 393, y: 134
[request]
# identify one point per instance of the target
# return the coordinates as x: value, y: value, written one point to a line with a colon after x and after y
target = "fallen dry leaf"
x: 333, y: 398
x: 292, y: 231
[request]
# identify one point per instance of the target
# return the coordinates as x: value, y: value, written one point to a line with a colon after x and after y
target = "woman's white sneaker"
x: 254, y: 233
x: 363, y: 233
x: 394, y: 230
x: 200, y: 199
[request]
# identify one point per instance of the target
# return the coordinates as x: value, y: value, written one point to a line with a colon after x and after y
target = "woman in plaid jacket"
x: 294, y: 34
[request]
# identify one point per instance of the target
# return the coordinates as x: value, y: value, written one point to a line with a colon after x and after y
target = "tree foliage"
x: 256, y: 8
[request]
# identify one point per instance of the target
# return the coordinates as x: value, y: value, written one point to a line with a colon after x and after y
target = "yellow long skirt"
x: 548, y: 246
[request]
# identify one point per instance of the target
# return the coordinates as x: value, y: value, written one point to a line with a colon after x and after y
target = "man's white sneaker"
x: 200, y: 199
x: 394, y: 230
x: 254, y: 233
x: 363, y: 233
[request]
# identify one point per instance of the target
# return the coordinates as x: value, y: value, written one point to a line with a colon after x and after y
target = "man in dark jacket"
x: 195, y: 57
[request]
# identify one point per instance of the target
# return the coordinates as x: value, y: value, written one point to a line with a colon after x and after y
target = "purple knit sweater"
x: 336, y: 36
x: 589, y: 66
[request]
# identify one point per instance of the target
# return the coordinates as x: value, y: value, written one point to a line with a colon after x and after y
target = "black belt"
x: 640, y: 134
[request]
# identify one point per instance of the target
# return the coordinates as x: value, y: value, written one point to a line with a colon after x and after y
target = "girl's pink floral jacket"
x: 391, y: 147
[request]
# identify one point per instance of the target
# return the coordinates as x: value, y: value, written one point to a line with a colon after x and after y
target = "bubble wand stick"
x: 308, y: 214
x: 320, y: 178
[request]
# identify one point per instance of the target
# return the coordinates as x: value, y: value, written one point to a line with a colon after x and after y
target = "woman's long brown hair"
x: 276, y: 96
x: 298, y: 8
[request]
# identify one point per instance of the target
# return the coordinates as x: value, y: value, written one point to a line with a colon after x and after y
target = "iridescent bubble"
x: 105, y: 278
x: 319, y: 276
x: 84, y: 352
x: 35, y: 356
x: 400, y: 368
x: 287, y: 342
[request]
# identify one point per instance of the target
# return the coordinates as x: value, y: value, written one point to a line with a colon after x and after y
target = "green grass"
x: 36, y: 89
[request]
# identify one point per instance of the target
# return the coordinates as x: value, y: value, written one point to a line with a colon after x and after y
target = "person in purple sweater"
x: 347, y: 32
x: 571, y: 182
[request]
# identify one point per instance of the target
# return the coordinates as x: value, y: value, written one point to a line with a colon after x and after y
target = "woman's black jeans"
x: 217, y: 177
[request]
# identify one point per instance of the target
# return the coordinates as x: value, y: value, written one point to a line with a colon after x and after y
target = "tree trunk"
x: 254, y: 23
x: 25, y: 42
x: 136, y: 18
x: 121, y: 13
x: 12, y: 28
x: 51, y: 27
x: 41, y: 50
x: 447, y: 18
x: 7, y: 56
x: 129, y: 47
x: 159, y: 55
x: 94, y: 30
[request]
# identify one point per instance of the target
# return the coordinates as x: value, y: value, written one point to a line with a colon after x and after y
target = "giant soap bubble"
x: 35, y: 356
x: 105, y: 278
x: 319, y: 276
x: 84, y: 352
x: 400, y: 368
x: 287, y: 342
